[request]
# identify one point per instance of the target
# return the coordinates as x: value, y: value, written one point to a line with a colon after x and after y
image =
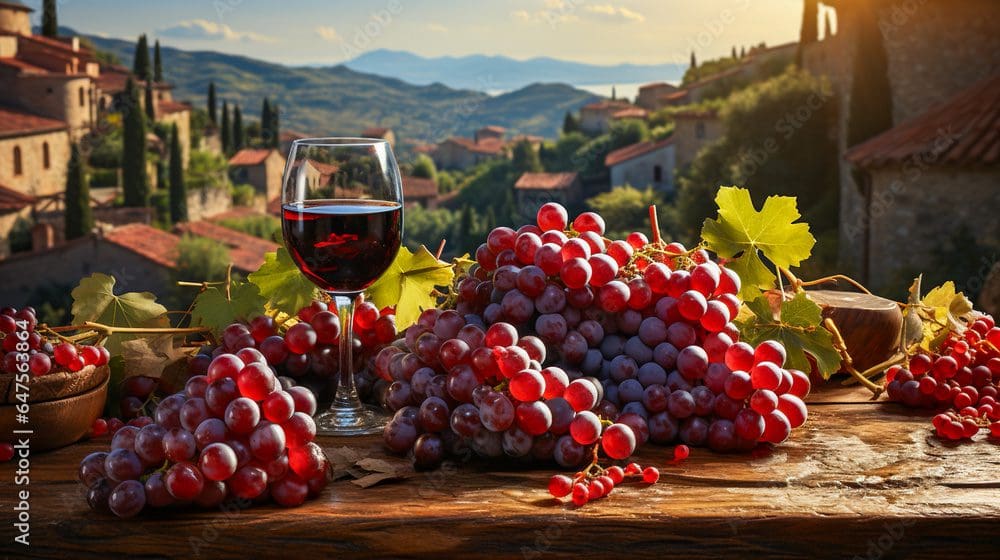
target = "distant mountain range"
x: 501, y: 73
x: 340, y: 101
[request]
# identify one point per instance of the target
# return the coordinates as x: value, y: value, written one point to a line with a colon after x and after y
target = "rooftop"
x: 147, y: 241
x: 963, y: 130
x: 485, y: 146
x: 245, y: 251
x: 15, y: 122
x: 545, y: 181
x: 630, y: 113
x: 375, y: 132
x: 12, y: 200
x: 418, y: 187
x: 250, y: 156
x: 635, y: 150
x: 606, y: 105
x: 168, y: 107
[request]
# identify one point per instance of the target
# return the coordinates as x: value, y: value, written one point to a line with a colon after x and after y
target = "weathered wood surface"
x: 859, y: 480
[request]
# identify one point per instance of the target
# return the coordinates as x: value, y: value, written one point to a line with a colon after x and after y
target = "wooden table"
x: 859, y: 480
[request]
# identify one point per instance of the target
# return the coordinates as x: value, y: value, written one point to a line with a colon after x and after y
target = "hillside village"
x: 203, y: 192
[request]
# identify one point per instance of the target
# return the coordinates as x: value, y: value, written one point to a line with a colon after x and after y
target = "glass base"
x: 365, y: 420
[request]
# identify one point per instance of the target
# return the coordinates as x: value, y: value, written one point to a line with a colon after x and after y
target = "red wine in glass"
x: 342, y: 245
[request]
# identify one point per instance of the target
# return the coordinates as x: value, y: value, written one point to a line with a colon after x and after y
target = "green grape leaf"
x: 743, y: 230
x: 410, y: 284
x: 929, y: 319
x: 94, y: 300
x: 798, y: 326
x: 213, y: 310
x: 282, y: 284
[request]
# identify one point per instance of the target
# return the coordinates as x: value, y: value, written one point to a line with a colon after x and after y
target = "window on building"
x: 699, y: 130
x: 83, y: 96
x: 46, y: 162
x: 17, y: 160
x: 657, y: 173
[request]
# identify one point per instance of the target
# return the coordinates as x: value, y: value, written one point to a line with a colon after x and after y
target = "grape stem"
x: 654, y: 224
x: 797, y: 284
x: 847, y: 363
x: 440, y: 250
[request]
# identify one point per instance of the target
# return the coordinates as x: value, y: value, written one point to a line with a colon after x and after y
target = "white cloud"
x: 555, y: 11
x: 328, y: 33
x: 437, y: 28
x: 620, y: 13
x: 209, y: 30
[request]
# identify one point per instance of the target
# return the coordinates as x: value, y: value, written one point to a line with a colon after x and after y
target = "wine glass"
x: 342, y: 220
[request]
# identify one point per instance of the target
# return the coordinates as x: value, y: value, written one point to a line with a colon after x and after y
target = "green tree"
x: 734, y: 55
x: 560, y: 156
x: 870, y: 110
x: 201, y: 258
x: 627, y: 132
x: 239, y: 134
x: 212, y: 114
x: 140, y: 62
x: 157, y: 63
x: 149, y: 105
x: 626, y: 207
x: 227, y: 131
x: 570, y: 124
x: 809, y: 31
x: 525, y: 158
x: 423, y: 166
x: 694, y: 62
x: 465, y: 234
x: 50, y: 19
x: 275, y: 140
x: 265, y: 123
x: 135, y: 183
x: 743, y: 51
x: 79, y: 219
x: 178, y: 191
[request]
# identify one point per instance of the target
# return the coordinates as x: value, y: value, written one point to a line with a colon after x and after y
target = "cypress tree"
x: 570, y: 124
x: 227, y: 138
x: 265, y: 123
x: 733, y: 55
x: 809, y: 30
x: 510, y: 209
x: 613, y: 93
x: 827, y: 27
x: 78, y: 219
x: 743, y: 51
x: 157, y: 63
x: 239, y: 137
x: 135, y: 183
x: 150, y: 107
x: 212, y: 114
x: 870, y: 110
x: 178, y: 191
x: 50, y: 21
x: 140, y: 64
x: 694, y: 61
x: 275, y: 127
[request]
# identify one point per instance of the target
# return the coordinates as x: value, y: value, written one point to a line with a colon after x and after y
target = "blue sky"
x: 331, y: 31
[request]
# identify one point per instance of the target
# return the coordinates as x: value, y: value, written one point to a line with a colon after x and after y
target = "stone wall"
x: 15, y: 21
x: 183, y: 121
x: 35, y: 179
x: 202, y: 203
x: 686, y: 141
x: 640, y: 171
x: 908, y: 224
x: 65, y: 265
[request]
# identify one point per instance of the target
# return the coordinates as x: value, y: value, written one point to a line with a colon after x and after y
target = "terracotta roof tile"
x: 545, y: 181
x: 418, y: 187
x: 250, y: 156
x: 245, y: 251
x: 147, y: 241
x: 963, y: 130
x: 12, y: 200
x: 14, y: 122
x: 235, y: 212
x: 630, y: 113
x: 606, y: 105
x: 635, y: 150
x: 168, y: 107
x: 22, y: 65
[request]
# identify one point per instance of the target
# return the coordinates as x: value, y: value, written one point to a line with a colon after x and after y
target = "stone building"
x: 259, y: 167
x: 380, y: 132
x: 693, y: 130
x: 650, y: 94
x: 595, y: 118
x: 532, y: 190
x: 419, y: 191
x: 934, y: 50
x: 646, y: 164
x: 461, y: 153
x: 33, y: 152
x: 489, y: 132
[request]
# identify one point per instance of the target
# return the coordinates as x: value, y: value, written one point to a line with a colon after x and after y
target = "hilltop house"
x: 645, y: 164
x: 260, y: 168
x: 595, y: 118
x: 419, y: 191
x: 650, y: 94
x: 380, y: 132
x: 693, y: 130
x: 936, y: 169
x: 535, y: 189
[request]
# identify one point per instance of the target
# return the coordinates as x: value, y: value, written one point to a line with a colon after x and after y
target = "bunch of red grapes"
x: 23, y: 345
x: 962, y: 379
x: 563, y: 343
x: 308, y: 351
x: 234, y: 433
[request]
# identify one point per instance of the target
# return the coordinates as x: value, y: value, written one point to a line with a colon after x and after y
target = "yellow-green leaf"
x: 213, y: 310
x: 798, y: 328
x: 282, y: 284
x: 409, y: 284
x: 742, y: 230
x: 94, y: 300
x: 930, y: 318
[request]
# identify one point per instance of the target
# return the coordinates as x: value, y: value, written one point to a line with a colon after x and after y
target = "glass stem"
x: 347, y: 394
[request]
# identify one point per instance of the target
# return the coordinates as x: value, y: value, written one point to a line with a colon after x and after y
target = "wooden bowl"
x: 870, y: 324
x: 57, y: 419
